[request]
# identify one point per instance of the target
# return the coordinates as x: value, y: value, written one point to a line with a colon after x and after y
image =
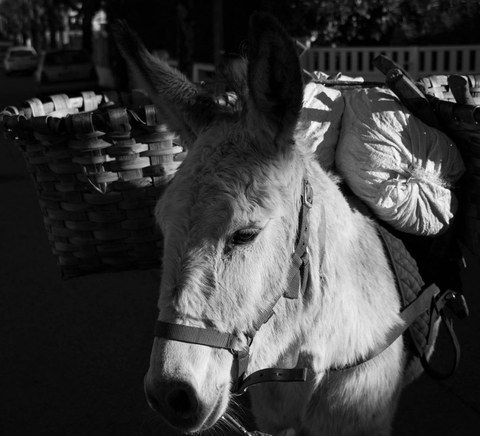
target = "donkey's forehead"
x: 224, y: 179
x: 222, y: 155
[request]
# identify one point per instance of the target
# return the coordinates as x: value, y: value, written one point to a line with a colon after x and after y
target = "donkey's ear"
x: 184, y: 106
x: 274, y: 76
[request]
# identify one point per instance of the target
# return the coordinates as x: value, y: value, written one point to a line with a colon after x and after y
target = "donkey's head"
x: 229, y: 220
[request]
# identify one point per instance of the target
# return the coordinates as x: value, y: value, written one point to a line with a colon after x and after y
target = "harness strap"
x: 421, y: 304
x: 273, y: 375
x: 446, y: 319
x: 435, y: 307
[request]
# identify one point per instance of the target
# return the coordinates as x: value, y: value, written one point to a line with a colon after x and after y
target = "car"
x: 65, y: 70
x: 20, y: 58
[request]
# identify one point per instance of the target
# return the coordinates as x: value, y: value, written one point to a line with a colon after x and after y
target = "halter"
x: 298, y: 276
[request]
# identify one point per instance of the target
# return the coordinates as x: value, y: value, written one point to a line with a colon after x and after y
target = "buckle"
x: 305, y: 259
x: 457, y: 304
x: 307, y: 197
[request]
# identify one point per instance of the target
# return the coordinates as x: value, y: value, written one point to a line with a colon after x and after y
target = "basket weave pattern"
x: 99, y: 163
x: 437, y: 86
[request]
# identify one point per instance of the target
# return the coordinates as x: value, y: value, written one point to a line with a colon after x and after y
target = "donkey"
x: 266, y: 263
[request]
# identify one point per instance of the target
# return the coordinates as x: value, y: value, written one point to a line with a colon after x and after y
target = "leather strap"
x: 300, y: 265
x: 196, y: 335
x: 438, y: 310
x: 210, y: 338
x: 422, y: 303
x: 273, y: 375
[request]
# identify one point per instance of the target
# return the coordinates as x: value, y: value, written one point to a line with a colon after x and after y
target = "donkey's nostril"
x: 182, y: 401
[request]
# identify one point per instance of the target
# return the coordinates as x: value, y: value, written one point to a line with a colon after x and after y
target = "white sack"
x: 402, y: 168
x: 320, y: 119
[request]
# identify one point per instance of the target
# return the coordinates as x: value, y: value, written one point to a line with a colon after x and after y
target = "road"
x: 73, y: 353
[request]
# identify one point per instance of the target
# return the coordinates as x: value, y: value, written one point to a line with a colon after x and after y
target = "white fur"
x: 350, y: 305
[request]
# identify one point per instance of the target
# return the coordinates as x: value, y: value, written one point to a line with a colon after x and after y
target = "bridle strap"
x: 216, y: 339
x: 300, y: 266
x: 209, y: 337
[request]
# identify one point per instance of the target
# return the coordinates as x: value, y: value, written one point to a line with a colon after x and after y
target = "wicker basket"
x: 437, y: 86
x: 99, y: 163
x: 462, y: 123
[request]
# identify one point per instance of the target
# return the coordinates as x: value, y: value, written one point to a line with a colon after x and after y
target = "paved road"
x: 73, y: 353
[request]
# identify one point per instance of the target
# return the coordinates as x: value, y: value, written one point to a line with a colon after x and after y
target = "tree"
x: 380, y: 22
x: 18, y: 14
x: 30, y: 19
x: 340, y: 22
x: 440, y: 21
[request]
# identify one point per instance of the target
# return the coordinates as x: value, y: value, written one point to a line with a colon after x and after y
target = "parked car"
x: 20, y: 58
x: 65, y: 70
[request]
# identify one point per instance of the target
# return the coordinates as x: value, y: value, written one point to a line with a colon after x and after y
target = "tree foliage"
x: 34, y: 19
x: 334, y: 22
x: 440, y: 21
x: 349, y: 22
x: 378, y: 22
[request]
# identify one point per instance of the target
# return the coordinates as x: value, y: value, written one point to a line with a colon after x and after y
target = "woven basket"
x: 462, y: 123
x: 437, y: 86
x: 99, y: 164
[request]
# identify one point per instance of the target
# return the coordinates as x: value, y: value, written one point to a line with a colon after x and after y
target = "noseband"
x: 240, y: 347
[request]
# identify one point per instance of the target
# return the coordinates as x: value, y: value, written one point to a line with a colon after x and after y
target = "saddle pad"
x: 409, y: 284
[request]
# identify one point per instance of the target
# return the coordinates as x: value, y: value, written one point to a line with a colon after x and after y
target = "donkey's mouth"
x: 216, y: 413
x: 204, y: 417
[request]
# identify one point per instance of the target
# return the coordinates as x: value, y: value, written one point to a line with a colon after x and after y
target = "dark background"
x: 73, y: 353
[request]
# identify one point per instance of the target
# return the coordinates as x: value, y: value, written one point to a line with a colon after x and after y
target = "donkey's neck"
x: 351, y: 290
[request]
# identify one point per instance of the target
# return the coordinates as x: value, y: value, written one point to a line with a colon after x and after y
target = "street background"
x: 73, y: 353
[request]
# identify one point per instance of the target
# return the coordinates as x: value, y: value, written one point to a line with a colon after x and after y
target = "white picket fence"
x: 418, y: 61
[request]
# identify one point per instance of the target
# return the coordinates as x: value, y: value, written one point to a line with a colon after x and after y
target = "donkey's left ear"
x: 274, y: 76
x: 184, y: 106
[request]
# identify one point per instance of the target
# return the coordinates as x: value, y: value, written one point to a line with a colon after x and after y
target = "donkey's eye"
x: 244, y: 236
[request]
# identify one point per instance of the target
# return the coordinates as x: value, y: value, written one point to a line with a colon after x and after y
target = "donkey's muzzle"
x: 177, y: 403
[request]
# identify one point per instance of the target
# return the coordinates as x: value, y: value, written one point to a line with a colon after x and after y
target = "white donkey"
x: 266, y: 264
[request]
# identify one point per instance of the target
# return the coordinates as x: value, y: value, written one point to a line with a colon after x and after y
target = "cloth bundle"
x: 402, y: 168
x: 319, y: 124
